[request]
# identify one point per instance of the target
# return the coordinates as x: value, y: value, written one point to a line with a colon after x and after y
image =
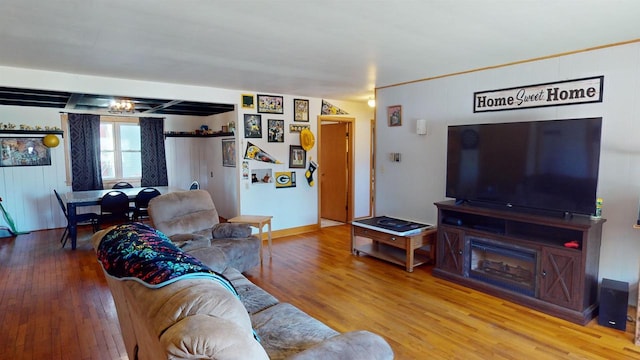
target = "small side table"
x: 396, y: 247
x: 258, y: 221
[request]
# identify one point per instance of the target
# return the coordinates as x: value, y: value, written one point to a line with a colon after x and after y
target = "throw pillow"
x: 189, y: 242
x: 231, y: 230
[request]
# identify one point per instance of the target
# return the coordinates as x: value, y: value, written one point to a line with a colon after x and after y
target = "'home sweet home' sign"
x: 569, y: 92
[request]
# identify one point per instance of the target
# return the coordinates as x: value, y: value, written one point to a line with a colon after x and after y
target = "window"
x: 120, y: 157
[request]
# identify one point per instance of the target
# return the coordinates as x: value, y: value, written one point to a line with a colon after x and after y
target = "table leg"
x: 409, y: 249
x: 73, y: 224
x: 259, y: 225
x: 269, y: 234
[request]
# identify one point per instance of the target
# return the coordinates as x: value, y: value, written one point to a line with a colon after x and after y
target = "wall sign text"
x: 569, y: 92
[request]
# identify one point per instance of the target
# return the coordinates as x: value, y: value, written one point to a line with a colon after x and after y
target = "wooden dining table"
x: 75, y: 199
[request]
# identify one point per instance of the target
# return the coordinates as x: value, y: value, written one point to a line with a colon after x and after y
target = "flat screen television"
x: 549, y: 166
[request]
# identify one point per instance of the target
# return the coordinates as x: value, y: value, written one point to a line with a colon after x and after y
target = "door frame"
x: 350, y: 121
x: 372, y: 169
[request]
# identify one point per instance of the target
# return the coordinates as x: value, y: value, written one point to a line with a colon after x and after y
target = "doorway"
x: 335, y: 159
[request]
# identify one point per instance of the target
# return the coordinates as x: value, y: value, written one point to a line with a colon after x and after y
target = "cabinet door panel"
x: 561, y: 278
x: 450, y: 250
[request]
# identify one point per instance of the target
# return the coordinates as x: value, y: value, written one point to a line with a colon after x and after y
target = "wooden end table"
x: 257, y: 221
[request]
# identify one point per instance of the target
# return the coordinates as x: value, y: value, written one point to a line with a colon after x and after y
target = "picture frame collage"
x: 266, y: 119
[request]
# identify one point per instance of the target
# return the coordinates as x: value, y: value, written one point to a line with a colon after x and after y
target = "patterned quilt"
x: 139, y: 252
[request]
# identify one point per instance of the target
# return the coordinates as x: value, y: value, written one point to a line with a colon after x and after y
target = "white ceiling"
x: 329, y: 49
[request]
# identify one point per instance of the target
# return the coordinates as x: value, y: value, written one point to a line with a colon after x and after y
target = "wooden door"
x: 334, y: 183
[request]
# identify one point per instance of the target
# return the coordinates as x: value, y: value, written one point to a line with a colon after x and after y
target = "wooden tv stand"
x: 565, y: 281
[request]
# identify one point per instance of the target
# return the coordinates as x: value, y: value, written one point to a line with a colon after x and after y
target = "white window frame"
x: 117, y: 122
x: 67, y: 147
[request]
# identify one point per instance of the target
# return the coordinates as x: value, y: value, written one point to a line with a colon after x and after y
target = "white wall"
x: 409, y: 188
x: 299, y: 206
x: 27, y: 192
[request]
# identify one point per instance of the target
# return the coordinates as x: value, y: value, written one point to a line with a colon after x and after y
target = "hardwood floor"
x: 54, y: 304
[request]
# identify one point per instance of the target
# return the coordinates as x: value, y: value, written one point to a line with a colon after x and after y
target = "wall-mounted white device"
x: 421, y: 127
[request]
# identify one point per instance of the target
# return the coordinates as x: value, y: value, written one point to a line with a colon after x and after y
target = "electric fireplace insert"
x: 502, y: 264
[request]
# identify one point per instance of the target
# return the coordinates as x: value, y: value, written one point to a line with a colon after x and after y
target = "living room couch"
x: 171, y: 306
x: 191, y: 221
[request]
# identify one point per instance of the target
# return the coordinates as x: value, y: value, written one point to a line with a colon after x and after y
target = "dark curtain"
x: 84, y: 134
x: 154, y: 162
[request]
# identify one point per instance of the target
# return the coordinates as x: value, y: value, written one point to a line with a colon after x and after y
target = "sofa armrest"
x: 230, y: 231
x: 206, y: 337
x: 188, y: 242
x: 355, y: 345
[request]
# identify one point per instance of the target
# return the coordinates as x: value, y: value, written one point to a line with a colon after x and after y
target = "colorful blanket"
x: 138, y: 252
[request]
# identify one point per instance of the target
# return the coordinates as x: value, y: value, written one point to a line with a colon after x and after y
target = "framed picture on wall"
x: 300, y: 110
x: 270, y: 104
x: 229, y: 152
x: 394, y: 115
x: 285, y: 179
x: 247, y: 101
x: 297, y: 157
x: 23, y: 151
x: 252, y: 126
x: 296, y: 128
x: 275, y: 130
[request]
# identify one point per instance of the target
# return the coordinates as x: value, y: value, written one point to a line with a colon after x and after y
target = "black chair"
x: 142, y: 202
x: 84, y: 218
x: 122, y: 185
x: 114, y: 208
x: 194, y: 185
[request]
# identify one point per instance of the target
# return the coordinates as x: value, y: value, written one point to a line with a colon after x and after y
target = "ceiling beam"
x: 73, y: 101
x: 162, y: 106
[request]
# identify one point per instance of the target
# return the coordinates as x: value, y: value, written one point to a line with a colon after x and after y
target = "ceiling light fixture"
x: 121, y: 106
x: 371, y: 102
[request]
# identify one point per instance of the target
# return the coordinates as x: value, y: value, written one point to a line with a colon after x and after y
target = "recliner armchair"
x: 190, y: 220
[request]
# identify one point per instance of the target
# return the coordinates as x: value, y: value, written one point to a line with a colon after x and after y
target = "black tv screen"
x: 547, y: 165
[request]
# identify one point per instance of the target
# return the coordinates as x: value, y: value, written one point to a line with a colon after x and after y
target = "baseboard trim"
x: 290, y: 231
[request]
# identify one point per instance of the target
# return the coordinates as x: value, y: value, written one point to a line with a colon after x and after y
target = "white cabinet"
x: 200, y: 158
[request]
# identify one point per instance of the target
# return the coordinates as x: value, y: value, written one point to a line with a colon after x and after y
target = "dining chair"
x: 142, y: 202
x: 84, y: 218
x: 122, y: 185
x: 114, y: 208
x: 195, y: 185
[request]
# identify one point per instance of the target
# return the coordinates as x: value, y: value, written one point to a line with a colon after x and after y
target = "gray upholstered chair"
x: 190, y: 219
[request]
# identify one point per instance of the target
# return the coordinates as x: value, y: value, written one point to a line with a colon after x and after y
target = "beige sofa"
x: 198, y: 318
x: 190, y: 220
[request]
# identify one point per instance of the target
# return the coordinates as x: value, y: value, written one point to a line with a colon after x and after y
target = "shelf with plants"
x: 32, y: 132
x: 188, y: 134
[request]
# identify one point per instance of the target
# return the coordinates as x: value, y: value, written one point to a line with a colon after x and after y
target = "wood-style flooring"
x: 54, y: 304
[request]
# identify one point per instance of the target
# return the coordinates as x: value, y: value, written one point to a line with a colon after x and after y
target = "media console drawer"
x: 398, y: 249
